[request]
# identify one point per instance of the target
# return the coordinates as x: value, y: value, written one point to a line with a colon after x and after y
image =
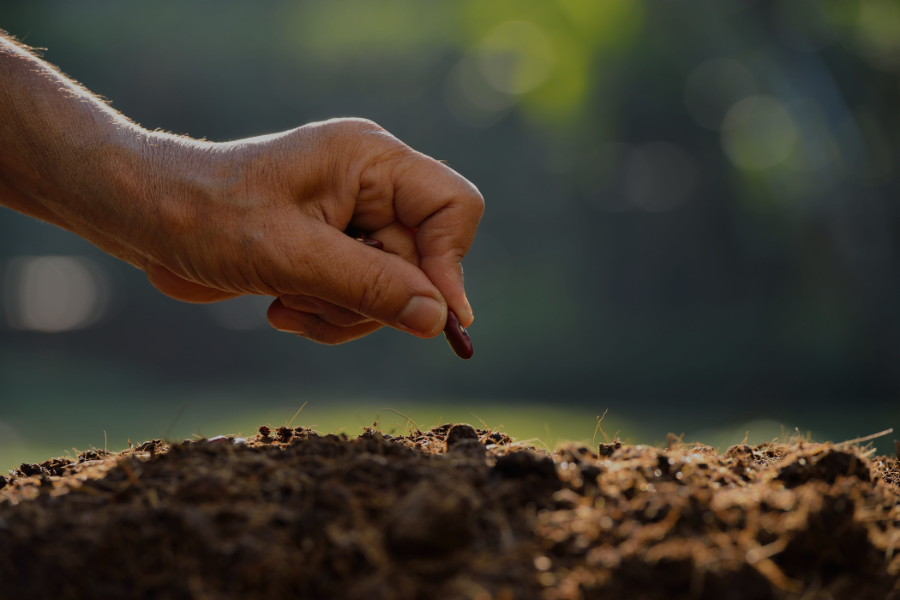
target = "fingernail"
x: 422, y: 314
x: 466, y: 316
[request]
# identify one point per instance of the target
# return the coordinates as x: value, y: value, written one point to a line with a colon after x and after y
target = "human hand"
x: 267, y: 216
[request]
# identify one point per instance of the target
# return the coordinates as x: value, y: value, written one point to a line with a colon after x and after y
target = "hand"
x: 267, y: 216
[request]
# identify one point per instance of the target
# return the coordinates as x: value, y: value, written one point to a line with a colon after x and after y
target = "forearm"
x: 68, y: 158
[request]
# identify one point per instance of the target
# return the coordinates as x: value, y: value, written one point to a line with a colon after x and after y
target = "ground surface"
x: 454, y: 512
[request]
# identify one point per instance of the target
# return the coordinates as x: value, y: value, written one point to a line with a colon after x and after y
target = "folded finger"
x: 328, y: 312
x: 313, y: 327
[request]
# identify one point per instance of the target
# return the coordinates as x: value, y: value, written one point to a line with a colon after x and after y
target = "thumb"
x: 377, y: 285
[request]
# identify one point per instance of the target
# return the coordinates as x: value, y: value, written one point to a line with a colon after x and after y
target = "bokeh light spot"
x: 878, y: 32
x: 758, y: 133
x: 516, y: 57
x: 54, y: 293
x: 471, y: 99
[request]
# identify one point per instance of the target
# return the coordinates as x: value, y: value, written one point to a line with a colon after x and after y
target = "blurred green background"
x: 692, y: 220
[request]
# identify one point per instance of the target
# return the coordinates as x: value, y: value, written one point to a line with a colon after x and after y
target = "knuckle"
x: 473, y: 200
x: 478, y: 203
x: 352, y: 126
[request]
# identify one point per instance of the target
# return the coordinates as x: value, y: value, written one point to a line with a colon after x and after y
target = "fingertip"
x: 424, y: 316
x: 282, y: 318
x: 465, y: 316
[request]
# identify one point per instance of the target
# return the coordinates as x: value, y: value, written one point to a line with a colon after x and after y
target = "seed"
x: 360, y: 236
x: 456, y: 334
x: 458, y: 337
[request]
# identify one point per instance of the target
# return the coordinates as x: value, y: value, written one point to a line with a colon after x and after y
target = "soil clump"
x: 454, y: 512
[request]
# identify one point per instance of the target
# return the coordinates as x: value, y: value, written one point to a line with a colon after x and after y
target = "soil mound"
x: 455, y: 512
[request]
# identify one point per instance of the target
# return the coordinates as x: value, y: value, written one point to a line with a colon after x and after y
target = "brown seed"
x: 360, y: 236
x: 458, y: 337
x: 456, y: 334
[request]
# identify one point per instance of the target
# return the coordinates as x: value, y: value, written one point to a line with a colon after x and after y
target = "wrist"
x: 101, y: 189
x: 190, y: 194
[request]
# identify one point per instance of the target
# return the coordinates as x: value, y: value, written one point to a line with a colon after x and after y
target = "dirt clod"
x: 284, y: 434
x: 433, y: 519
x: 27, y: 470
x: 608, y: 449
x: 459, y: 433
x: 822, y: 464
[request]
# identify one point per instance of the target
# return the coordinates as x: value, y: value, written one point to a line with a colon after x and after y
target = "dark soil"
x: 455, y: 512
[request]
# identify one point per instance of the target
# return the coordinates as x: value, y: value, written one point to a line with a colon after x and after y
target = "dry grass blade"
x: 480, y: 420
x: 867, y: 438
x: 594, y: 439
x: 404, y: 416
x: 175, y: 420
x: 297, y: 413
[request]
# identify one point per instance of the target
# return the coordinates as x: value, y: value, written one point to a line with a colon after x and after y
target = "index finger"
x: 445, y: 209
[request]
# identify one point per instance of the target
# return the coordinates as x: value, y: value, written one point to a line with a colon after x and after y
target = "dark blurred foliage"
x: 688, y: 202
